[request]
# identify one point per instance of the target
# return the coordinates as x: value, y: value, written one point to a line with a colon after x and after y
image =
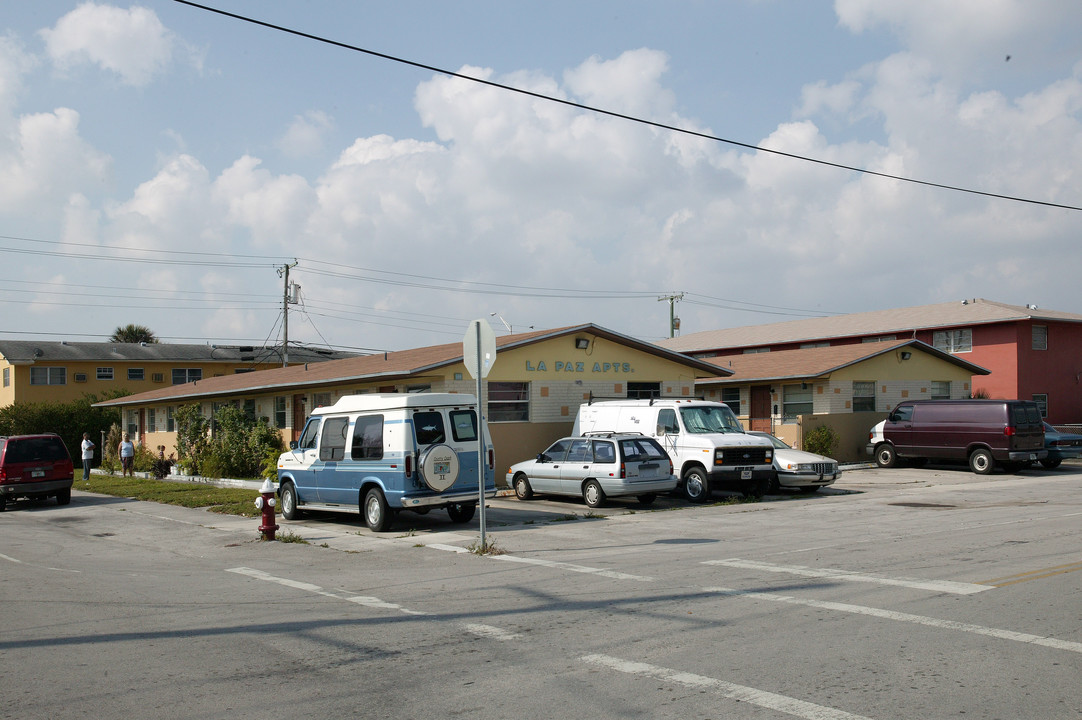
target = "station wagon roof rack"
x: 609, y: 433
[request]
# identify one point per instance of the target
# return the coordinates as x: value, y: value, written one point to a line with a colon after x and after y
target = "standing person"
x: 126, y: 451
x: 88, y: 456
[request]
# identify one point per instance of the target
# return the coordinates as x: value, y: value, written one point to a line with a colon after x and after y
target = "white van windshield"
x: 701, y: 419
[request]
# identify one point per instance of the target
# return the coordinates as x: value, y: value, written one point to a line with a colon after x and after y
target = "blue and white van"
x: 380, y: 454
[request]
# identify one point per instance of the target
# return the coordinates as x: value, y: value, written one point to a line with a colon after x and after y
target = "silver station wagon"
x: 595, y: 466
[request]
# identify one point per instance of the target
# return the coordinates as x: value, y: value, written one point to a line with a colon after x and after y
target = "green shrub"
x: 821, y: 440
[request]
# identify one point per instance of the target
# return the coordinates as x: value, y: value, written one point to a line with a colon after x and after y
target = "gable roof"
x: 808, y: 363
x: 388, y: 366
x: 27, y: 352
x: 879, y: 322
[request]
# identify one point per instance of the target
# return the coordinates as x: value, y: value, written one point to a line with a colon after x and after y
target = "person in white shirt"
x: 88, y: 456
x: 126, y: 451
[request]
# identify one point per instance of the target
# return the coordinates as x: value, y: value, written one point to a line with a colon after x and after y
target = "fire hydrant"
x: 266, y: 503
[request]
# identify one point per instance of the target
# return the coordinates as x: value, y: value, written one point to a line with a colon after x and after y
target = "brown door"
x: 298, y: 416
x: 760, y: 409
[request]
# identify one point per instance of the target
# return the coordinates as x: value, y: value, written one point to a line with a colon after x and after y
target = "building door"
x: 760, y: 416
x: 298, y: 417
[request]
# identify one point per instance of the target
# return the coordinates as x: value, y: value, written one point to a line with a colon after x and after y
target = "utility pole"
x: 283, y: 272
x: 674, y: 322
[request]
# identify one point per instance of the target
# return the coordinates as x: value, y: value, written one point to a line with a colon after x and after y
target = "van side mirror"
x: 660, y: 431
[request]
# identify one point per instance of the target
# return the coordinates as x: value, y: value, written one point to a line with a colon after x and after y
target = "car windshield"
x: 779, y: 444
x: 702, y: 419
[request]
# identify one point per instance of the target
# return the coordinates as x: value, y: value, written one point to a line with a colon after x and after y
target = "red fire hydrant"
x: 266, y: 502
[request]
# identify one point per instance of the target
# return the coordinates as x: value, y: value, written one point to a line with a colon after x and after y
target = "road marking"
x: 947, y: 586
x: 1032, y: 575
x: 1070, y: 646
x: 740, y: 693
x: 489, y: 631
x: 575, y: 568
x: 11, y: 559
x: 448, y: 548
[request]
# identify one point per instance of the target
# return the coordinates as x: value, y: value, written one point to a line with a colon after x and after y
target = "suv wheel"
x: 63, y: 497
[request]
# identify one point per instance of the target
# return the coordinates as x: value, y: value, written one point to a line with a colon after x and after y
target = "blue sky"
x: 159, y: 163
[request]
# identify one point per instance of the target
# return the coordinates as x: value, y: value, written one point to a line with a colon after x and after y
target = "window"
x: 1040, y: 337
x: 666, y: 418
x: 105, y: 373
x: 48, y: 376
x: 428, y: 428
x: 941, y: 389
x: 7, y: 377
x: 152, y: 425
x: 322, y: 399
x: 953, y: 341
x: 882, y: 338
x: 863, y: 396
x: 796, y: 400
x: 752, y: 351
x: 135, y: 374
x: 508, y: 402
x: 731, y: 397
x: 332, y: 446
x: 170, y: 423
x: 418, y: 388
x: 604, y: 452
x: 311, y: 432
x: 1042, y: 403
x: 902, y: 413
x: 581, y: 451
x: 186, y: 375
x: 805, y: 346
x: 463, y: 425
x: 643, y: 390
x: 249, y: 408
x: 368, y: 438
x: 280, y: 411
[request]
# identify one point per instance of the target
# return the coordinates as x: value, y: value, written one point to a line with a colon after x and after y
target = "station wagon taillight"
x: 623, y: 471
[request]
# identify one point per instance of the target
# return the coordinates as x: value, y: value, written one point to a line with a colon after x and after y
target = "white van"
x: 705, y: 440
x: 380, y: 454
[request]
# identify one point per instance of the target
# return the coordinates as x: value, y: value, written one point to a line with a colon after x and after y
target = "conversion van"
x: 381, y: 454
x: 704, y: 439
x: 980, y: 432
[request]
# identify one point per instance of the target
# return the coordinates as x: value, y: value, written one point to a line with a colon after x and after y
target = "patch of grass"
x: 227, y: 501
x: 291, y: 537
x: 565, y: 518
x: 591, y: 515
x: 489, y: 548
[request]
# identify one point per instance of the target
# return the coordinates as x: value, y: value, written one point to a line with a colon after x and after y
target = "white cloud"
x: 132, y: 43
x: 306, y: 135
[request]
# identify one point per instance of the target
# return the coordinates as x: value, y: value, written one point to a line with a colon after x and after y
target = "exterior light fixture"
x: 582, y: 343
x: 906, y: 354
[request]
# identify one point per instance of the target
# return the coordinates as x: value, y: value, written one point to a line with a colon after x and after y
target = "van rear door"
x: 1028, y: 427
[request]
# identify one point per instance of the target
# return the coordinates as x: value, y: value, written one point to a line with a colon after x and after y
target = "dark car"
x: 35, y: 466
x: 1060, y: 446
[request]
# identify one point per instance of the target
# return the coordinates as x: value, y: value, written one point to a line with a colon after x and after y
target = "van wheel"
x: 523, y: 490
x: 696, y: 486
x: 774, y: 486
x: 593, y: 494
x: 289, y: 501
x: 377, y: 515
x: 63, y: 497
x: 885, y: 457
x: 1051, y: 464
x: 980, y: 461
x: 461, y: 512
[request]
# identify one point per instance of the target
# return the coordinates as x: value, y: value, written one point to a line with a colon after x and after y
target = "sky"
x: 162, y: 164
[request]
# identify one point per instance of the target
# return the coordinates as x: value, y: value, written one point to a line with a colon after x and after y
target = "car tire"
x: 774, y: 485
x: 981, y: 462
x: 592, y: 494
x: 289, y: 501
x: 523, y: 489
x: 696, y: 486
x: 647, y: 498
x: 809, y: 489
x: 377, y: 515
x: 885, y: 456
x: 755, y: 489
x: 1051, y: 464
x: 461, y: 512
x: 63, y: 497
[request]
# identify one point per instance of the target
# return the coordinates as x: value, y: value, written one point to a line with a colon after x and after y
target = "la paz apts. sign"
x: 570, y: 366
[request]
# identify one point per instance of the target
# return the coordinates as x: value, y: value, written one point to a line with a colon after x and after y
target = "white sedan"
x: 797, y: 469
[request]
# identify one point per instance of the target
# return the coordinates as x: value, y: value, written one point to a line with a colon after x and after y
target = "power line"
x: 623, y: 116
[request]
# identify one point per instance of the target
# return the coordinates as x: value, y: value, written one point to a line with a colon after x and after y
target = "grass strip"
x: 227, y: 501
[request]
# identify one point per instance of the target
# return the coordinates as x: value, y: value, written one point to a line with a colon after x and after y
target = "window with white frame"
x: 752, y: 351
x: 941, y: 390
x: 953, y: 341
x: 105, y: 373
x: 1042, y: 402
x: 321, y: 399
x: 881, y: 338
x: 864, y: 396
x: 731, y: 397
x: 796, y: 400
x: 509, y: 402
x: 1040, y: 337
x: 186, y: 375
x: 152, y: 420
x: 48, y: 376
x: 249, y: 408
x: 280, y: 411
x: 170, y: 423
x: 7, y: 377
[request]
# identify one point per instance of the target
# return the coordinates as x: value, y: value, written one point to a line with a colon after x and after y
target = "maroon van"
x: 35, y: 466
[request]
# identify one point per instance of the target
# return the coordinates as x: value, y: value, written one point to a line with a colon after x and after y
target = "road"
x: 903, y: 593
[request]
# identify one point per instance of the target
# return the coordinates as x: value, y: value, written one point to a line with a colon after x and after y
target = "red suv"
x: 35, y: 466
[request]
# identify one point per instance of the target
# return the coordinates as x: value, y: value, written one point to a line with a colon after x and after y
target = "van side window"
x: 666, y: 418
x: 902, y: 413
x: 428, y: 428
x: 463, y: 425
x: 311, y: 432
x: 332, y: 446
x: 367, y: 438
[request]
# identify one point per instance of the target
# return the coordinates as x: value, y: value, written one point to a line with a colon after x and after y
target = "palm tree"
x: 133, y: 334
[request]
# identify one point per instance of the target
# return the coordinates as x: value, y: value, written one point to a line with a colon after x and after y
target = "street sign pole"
x: 480, y: 442
x: 478, y: 355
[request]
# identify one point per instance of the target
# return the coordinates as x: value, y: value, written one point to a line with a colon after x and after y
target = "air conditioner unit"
x: 80, y: 377
x: 158, y: 377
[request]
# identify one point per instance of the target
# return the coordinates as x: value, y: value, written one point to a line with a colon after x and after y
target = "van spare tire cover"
x: 439, y: 466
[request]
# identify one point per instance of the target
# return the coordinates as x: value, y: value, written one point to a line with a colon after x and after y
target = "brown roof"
x: 879, y: 322
x: 389, y: 366
x: 816, y: 362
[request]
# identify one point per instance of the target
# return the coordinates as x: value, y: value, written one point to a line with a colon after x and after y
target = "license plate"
x: 37, y: 473
x: 745, y: 474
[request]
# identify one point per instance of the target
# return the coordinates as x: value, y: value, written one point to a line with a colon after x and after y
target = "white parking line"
x: 1068, y: 645
x: 946, y: 586
x: 489, y: 631
x: 740, y: 693
x: 573, y: 568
